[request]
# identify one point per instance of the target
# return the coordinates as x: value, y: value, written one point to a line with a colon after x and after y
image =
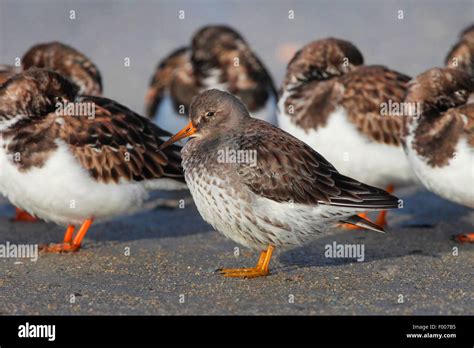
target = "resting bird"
x: 65, y: 60
x: 461, y: 55
x: 347, y: 111
x: 218, y: 57
x: 439, y: 143
x: 72, y: 159
x: 68, y: 62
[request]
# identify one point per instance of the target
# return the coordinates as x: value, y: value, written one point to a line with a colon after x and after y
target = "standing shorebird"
x: 219, y: 57
x: 72, y: 159
x: 348, y: 112
x: 461, y: 55
x: 440, y: 142
x: 260, y: 186
x: 68, y: 62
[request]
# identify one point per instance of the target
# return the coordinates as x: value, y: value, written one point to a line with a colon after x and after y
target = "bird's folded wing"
x: 287, y: 170
x: 117, y: 144
x: 372, y: 97
x: 248, y: 79
x: 163, y: 79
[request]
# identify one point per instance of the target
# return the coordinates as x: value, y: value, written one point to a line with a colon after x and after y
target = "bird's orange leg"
x: 82, y: 233
x: 465, y: 238
x: 382, y: 217
x: 70, y: 244
x: 23, y: 216
x: 69, y: 233
x: 261, y: 270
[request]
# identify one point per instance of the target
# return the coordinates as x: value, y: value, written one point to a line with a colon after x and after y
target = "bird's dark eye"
x: 210, y: 114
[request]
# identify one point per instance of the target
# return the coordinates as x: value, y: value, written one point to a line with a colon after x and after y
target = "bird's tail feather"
x: 361, y: 222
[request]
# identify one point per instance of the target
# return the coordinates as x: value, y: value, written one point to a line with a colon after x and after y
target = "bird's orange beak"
x: 183, y: 133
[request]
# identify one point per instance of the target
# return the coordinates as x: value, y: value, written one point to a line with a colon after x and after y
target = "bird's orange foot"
x: 69, y: 244
x: 23, y: 216
x: 60, y: 248
x: 261, y: 270
x: 464, y: 238
x: 253, y: 272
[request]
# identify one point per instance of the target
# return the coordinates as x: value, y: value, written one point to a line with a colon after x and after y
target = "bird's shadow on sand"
x: 425, y: 227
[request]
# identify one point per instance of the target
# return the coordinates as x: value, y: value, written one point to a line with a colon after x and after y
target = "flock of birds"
x: 322, y: 145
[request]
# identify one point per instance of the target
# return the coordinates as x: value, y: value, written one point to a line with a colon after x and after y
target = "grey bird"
x: 262, y: 187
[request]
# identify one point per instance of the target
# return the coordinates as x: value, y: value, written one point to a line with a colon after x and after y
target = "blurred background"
x: 173, y: 249
x: 147, y: 30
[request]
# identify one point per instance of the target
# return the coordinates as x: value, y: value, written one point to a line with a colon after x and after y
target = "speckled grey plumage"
x: 290, y: 195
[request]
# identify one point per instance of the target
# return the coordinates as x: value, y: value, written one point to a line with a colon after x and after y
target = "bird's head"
x: 33, y: 93
x: 211, y: 112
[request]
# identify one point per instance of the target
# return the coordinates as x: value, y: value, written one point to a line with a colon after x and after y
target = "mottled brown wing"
x: 436, y: 138
x: 172, y: 74
x: 287, y: 170
x: 248, y: 78
x: 311, y: 104
x: 118, y: 144
x: 366, y: 91
x: 68, y: 62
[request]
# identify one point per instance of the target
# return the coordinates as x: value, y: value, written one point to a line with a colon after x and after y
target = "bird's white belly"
x: 454, y: 181
x: 257, y: 222
x: 351, y: 153
x: 63, y: 192
x: 167, y: 117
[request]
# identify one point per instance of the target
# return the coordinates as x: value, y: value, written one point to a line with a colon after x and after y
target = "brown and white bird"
x: 68, y: 62
x: 72, y: 159
x: 260, y: 186
x: 218, y: 57
x: 461, y: 55
x: 343, y: 109
x: 439, y: 142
